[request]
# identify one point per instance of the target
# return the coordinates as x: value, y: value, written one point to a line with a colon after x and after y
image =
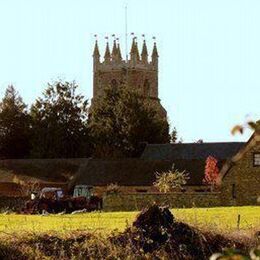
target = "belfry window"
x: 114, y: 83
x: 256, y: 159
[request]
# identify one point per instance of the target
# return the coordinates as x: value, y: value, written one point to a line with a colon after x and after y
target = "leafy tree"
x: 120, y: 120
x: 211, y: 172
x: 59, y: 122
x: 14, y: 126
x: 171, y: 180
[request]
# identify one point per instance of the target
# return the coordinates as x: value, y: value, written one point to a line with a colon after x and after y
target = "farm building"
x: 239, y: 164
x: 240, y: 176
x: 138, y: 175
x: 18, y: 175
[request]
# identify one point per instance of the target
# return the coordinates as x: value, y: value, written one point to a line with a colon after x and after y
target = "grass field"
x: 218, y: 219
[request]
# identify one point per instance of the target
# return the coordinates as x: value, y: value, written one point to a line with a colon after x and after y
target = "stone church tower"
x: 137, y: 72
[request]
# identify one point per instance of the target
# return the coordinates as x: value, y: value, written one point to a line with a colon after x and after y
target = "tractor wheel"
x: 43, y: 207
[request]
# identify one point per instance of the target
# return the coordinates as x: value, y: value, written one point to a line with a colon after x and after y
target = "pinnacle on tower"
x: 155, y: 56
x: 107, y: 56
x: 96, y: 50
x: 138, y: 70
x: 96, y: 56
x: 114, y: 51
x: 119, y: 56
x: 144, y: 53
x: 137, y: 51
x: 155, y: 52
x: 134, y: 52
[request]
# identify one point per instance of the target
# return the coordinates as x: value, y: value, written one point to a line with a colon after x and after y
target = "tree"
x: 59, y: 123
x: 14, y: 126
x: 253, y: 125
x: 120, y: 120
x: 174, y: 135
x: 211, y: 172
x: 171, y: 180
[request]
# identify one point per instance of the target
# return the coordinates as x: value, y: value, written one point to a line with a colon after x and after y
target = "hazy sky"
x: 209, y: 51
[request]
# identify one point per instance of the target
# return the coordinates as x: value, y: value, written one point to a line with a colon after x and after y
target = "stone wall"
x: 12, y: 203
x: 102, y: 190
x: 131, y: 202
x: 241, y: 184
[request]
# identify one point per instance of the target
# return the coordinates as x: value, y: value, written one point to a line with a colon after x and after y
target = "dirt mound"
x: 11, y: 253
x: 155, y: 228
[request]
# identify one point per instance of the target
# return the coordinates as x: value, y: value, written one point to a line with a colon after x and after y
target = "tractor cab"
x: 83, y: 191
x: 52, y: 193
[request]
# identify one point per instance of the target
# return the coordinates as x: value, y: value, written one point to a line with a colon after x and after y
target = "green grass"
x: 219, y: 219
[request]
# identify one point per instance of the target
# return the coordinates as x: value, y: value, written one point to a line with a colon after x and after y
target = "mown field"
x: 218, y: 219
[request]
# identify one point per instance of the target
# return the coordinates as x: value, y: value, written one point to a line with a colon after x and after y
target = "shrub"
x: 171, y: 180
x: 211, y: 172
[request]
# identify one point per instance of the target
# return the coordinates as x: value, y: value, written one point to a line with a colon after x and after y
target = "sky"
x: 209, y: 64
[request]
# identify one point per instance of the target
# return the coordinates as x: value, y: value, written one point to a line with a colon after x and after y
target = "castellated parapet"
x: 137, y: 72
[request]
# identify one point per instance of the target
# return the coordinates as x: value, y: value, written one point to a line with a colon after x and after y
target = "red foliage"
x: 211, y: 171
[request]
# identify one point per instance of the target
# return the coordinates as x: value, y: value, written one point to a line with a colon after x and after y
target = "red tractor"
x: 54, y: 200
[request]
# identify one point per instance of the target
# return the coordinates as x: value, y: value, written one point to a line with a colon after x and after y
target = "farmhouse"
x: 240, y: 176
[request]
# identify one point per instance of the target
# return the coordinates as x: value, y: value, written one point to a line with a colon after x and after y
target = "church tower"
x: 138, y: 72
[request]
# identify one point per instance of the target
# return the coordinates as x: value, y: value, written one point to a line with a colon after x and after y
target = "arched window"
x: 146, y: 88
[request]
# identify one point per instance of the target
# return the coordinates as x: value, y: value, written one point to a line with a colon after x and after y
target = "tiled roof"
x: 126, y: 172
x: 253, y: 140
x: 191, y: 151
x: 54, y: 170
x: 135, y: 172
